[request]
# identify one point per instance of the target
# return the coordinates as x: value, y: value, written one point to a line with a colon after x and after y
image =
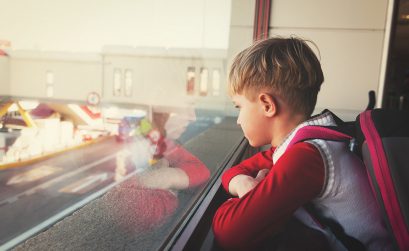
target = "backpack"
x: 381, y: 138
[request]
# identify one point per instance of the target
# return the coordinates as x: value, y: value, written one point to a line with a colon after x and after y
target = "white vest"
x: 346, y: 196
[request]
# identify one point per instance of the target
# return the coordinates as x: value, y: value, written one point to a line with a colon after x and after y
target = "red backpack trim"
x: 384, y: 180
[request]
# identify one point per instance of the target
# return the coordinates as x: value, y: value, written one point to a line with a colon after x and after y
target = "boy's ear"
x: 268, y: 104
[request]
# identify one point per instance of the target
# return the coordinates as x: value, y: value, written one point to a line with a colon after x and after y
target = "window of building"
x: 128, y: 82
x: 204, y: 79
x: 49, y: 79
x: 190, y: 80
x: 216, y: 82
x: 117, y: 82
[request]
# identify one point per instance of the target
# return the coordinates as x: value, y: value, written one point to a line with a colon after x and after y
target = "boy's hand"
x: 163, y: 176
x: 262, y: 174
x: 242, y: 184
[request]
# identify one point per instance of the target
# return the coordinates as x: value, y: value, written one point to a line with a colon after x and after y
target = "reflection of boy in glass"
x: 175, y: 167
x: 142, y: 211
x: 152, y: 198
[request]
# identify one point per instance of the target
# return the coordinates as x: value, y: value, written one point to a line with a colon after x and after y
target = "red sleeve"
x: 250, y: 167
x: 197, y: 172
x: 296, y: 178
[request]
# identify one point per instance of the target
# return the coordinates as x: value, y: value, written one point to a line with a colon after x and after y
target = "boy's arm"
x: 179, y: 169
x: 242, y: 175
x: 195, y: 170
x: 241, y: 184
x: 296, y: 178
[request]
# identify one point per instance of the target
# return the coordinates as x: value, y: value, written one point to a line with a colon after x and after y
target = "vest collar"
x: 324, y: 119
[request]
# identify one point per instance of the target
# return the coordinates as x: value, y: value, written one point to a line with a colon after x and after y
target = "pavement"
x: 32, y: 194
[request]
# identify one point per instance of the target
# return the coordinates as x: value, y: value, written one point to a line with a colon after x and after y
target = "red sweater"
x: 148, y: 208
x: 296, y: 178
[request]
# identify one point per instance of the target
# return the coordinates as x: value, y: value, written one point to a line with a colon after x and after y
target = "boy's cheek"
x: 239, y: 119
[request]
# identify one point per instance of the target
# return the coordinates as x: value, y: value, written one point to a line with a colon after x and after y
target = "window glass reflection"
x: 116, y: 133
x: 150, y: 163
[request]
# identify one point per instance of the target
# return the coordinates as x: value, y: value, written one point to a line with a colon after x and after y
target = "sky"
x: 88, y: 26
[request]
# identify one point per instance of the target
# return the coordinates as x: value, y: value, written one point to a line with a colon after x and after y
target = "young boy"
x: 275, y: 83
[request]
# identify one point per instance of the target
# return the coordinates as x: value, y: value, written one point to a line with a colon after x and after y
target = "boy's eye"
x: 236, y: 106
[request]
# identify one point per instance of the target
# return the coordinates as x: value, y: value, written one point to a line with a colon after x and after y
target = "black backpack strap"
x: 349, y: 242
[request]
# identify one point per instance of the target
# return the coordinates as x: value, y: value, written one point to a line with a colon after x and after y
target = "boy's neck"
x: 284, y: 124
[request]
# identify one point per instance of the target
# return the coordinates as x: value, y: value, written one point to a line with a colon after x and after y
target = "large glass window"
x: 113, y: 120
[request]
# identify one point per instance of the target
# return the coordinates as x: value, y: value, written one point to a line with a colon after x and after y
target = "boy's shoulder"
x: 302, y: 152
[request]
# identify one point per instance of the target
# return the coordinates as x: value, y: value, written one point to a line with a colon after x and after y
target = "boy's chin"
x: 253, y: 144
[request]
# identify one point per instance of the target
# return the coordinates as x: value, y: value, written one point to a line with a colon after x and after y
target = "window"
x: 125, y: 172
x: 117, y: 82
x: 216, y: 82
x: 204, y: 77
x: 190, y: 80
x: 49, y: 80
x: 128, y: 83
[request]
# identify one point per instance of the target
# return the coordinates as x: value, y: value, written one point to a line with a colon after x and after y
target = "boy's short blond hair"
x: 286, y: 67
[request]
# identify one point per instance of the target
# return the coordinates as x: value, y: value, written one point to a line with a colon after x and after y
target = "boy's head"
x: 286, y: 68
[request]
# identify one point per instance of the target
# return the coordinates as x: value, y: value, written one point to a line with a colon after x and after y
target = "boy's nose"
x: 238, y: 120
